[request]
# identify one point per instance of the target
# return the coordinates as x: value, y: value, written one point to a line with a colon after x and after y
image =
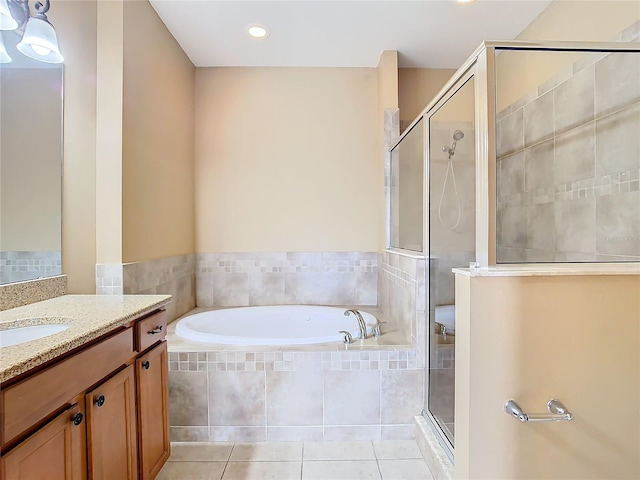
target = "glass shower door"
x: 450, y: 241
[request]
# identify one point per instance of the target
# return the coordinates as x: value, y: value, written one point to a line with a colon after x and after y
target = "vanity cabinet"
x: 56, y: 451
x: 100, y: 412
x: 152, y: 375
x: 111, y: 428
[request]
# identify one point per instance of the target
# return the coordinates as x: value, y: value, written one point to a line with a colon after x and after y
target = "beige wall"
x: 519, y: 73
x: 158, y: 138
x: 387, y: 73
x: 110, y: 45
x: 92, y: 203
x: 31, y: 143
x: 574, y: 338
x: 75, y: 23
x: 286, y: 160
x: 417, y: 87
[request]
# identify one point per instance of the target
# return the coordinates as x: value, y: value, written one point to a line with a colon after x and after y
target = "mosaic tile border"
x: 602, y: 186
x: 20, y: 266
x: 294, y: 361
x: 287, y: 262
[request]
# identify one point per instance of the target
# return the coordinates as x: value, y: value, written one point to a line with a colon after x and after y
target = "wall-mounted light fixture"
x: 39, y: 39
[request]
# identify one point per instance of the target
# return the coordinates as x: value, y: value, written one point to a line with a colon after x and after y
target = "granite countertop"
x: 90, y: 317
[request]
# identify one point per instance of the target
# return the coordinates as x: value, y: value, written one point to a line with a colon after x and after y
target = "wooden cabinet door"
x: 153, y: 410
x: 55, y: 452
x: 111, y: 428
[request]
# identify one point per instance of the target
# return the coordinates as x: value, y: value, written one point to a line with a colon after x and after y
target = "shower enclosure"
x: 530, y: 155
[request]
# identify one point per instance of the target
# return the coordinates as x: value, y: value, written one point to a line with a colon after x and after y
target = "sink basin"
x: 15, y: 336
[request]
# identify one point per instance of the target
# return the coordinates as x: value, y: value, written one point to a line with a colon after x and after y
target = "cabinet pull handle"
x: 145, y: 365
x: 77, y: 419
x: 100, y: 401
x: 158, y: 329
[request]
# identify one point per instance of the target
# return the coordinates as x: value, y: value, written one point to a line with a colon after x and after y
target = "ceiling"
x: 304, y: 33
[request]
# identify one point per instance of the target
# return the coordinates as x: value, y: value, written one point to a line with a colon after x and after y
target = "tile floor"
x: 383, y: 460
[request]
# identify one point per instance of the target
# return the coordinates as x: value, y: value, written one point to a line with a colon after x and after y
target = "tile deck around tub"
x: 379, y: 460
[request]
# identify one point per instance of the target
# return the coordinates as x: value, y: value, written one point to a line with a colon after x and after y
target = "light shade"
x: 4, y: 56
x: 7, y: 22
x: 39, y: 41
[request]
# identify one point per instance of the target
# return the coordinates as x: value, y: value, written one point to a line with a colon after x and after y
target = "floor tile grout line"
x: 375, y: 455
x: 227, y: 462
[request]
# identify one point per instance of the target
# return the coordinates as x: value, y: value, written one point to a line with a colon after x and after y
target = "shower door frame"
x: 462, y: 76
x: 481, y: 65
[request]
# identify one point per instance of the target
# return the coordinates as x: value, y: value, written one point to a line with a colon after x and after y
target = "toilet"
x: 446, y: 316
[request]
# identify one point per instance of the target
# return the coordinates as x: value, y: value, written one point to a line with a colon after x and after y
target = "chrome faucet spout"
x: 361, y: 325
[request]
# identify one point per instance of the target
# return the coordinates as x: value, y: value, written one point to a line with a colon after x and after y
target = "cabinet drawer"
x: 28, y: 402
x: 151, y: 330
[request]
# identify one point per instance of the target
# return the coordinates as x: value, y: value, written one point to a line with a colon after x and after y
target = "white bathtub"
x: 272, y: 325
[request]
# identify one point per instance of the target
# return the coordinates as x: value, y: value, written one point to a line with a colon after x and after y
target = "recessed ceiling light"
x: 257, y: 31
x: 465, y: 1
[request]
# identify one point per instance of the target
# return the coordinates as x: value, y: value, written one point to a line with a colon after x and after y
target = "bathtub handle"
x: 348, y: 338
x: 376, y: 328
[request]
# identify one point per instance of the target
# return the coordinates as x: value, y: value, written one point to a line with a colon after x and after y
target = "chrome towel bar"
x: 557, y: 410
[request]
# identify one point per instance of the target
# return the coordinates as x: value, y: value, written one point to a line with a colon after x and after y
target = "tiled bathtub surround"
x: 402, y: 295
x: 170, y: 275
x: 313, y: 278
x: 20, y: 266
x: 569, y: 166
x: 391, y: 136
x: 109, y: 279
x: 294, y: 395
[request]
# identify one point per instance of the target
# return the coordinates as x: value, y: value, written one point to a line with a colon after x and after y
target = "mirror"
x: 30, y: 167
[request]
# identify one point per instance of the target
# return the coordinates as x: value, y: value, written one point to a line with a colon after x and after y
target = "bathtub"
x: 270, y: 325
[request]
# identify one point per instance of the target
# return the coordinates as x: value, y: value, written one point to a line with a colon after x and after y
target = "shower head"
x: 457, y: 135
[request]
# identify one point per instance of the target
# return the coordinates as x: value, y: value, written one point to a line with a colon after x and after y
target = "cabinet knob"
x: 77, y: 419
x: 158, y: 329
x: 146, y: 365
x: 100, y: 401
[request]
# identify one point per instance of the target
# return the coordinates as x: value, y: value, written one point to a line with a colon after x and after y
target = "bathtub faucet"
x: 361, y: 325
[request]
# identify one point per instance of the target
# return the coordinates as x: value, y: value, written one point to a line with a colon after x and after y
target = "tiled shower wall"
x: 402, y: 295
x: 569, y: 166
x: 170, y: 275
x: 306, y: 278
x: 18, y: 266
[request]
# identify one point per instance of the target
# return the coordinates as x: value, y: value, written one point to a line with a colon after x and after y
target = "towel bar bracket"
x: 557, y: 412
